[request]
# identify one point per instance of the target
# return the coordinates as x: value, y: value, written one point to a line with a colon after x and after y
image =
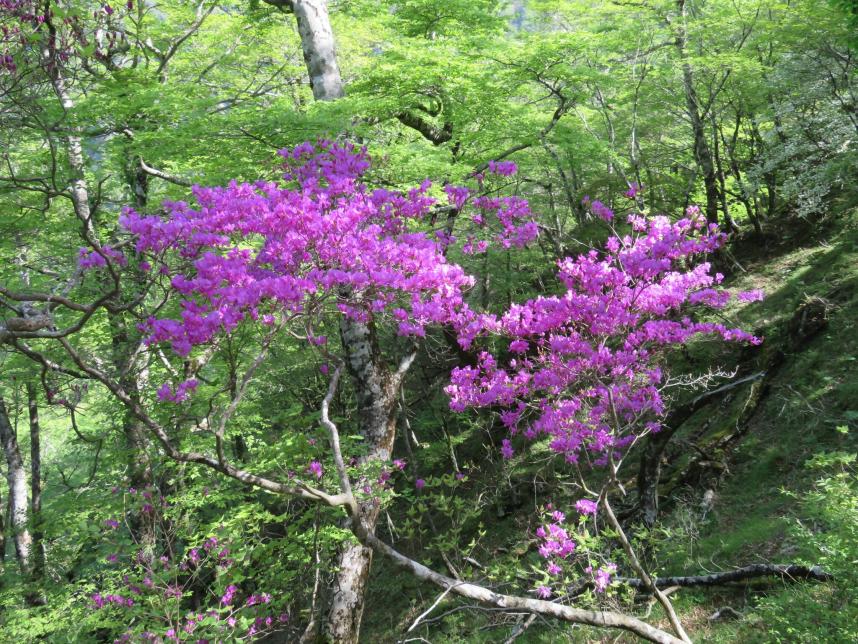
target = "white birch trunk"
x: 16, y: 476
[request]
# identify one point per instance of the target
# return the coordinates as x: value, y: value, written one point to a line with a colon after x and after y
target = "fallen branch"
x: 788, y: 572
x: 481, y: 594
x: 602, y: 619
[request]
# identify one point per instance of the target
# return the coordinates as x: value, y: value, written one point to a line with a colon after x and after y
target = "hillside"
x: 764, y: 474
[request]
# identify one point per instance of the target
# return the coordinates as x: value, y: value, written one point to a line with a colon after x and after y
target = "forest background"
x: 162, y: 492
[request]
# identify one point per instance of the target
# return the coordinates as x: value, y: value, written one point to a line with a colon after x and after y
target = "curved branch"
x: 601, y: 619
x: 431, y: 132
x: 160, y: 174
x: 50, y: 298
x: 299, y: 488
x: 345, y: 484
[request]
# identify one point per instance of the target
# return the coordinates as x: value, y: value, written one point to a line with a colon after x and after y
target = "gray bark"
x: 320, y: 52
x: 376, y: 392
x: 36, y: 483
x: 702, y: 152
x: 365, y: 535
x: 16, y: 476
x: 318, y: 45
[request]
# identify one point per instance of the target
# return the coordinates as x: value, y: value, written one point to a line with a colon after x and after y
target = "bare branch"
x: 602, y: 619
x: 163, y: 175
x: 638, y: 568
x: 345, y: 484
x: 201, y: 15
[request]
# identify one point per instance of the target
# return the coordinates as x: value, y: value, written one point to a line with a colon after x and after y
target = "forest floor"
x: 747, y: 475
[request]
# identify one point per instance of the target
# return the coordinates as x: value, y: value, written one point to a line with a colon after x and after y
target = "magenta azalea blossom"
x: 321, y: 232
x: 586, y: 506
x: 757, y: 295
x: 506, y: 449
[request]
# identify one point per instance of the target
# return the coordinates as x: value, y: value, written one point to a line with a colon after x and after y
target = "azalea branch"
x: 639, y: 569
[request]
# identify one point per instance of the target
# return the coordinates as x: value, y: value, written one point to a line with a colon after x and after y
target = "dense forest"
x: 428, y: 321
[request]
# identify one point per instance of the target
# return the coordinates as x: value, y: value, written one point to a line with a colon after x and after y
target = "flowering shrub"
x: 174, y: 600
x: 586, y: 365
x: 571, y: 552
x: 322, y: 240
x: 73, y: 33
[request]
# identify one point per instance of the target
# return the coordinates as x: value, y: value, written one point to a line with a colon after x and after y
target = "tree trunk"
x: 702, y: 153
x: 2, y: 536
x: 375, y: 389
x: 124, y: 338
x: 16, y: 476
x: 320, y: 52
x: 36, y: 483
x: 136, y: 440
x: 376, y: 392
x: 719, y: 171
x: 744, y: 192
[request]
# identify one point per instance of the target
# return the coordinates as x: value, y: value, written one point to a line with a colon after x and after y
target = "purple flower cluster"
x: 586, y: 366
x: 503, y: 168
x: 89, y: 259
x: 756, y: 295
x: 100, y: 601
x: 168, y: 582
x: 634, y: 190
x: 586, y: 507
x: 315, y: 468
x: 167, y: 394
x: 322, y: 233
x: 601, y: 211
x: 601, y: 576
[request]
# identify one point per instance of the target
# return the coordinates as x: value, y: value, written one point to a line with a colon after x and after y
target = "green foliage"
x: 829, y: 532
x: 585, y: 97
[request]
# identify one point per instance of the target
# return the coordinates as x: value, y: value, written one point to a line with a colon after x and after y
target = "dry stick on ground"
x: 425, y: 613
x: 787, y: 572
x: 520, y: 628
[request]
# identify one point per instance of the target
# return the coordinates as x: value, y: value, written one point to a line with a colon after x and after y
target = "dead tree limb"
x: 787, y: 572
